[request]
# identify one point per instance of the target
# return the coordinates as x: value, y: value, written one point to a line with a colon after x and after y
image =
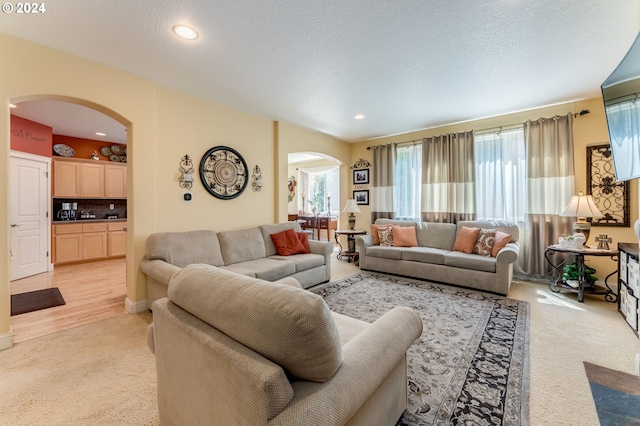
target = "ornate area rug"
x: 470, y: 365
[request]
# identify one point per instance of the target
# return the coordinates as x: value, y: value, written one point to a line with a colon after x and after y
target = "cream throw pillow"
x: 290, y: 326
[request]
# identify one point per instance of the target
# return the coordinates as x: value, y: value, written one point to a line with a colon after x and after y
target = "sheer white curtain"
x: 501, y: 184
x: 408, y: 182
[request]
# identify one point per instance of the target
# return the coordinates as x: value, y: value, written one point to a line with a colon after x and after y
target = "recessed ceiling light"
x: 101, y: 134
x: 13, y: 106
x: 185, y: 32
x: 359, y: 117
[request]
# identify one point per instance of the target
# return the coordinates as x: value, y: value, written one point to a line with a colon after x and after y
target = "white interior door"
x: 28, y: 215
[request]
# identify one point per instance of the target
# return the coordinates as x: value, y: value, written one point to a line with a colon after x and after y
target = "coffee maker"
x: 65, y: 212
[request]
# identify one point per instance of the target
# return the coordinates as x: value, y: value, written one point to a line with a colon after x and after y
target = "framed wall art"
x: 361, y: 176
x: 611, y: 197
x: 361, y: 197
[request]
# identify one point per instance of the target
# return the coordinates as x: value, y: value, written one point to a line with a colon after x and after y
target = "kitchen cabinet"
x: 92, y: 180
x: 78, y: 178
x: 115, y: 181
x: 66, y: 179
x: 77, y: 242
x: 117, y: 239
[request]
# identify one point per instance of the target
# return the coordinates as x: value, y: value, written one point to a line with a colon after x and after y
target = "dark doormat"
x: 36, y: 300
x: 616, y: 395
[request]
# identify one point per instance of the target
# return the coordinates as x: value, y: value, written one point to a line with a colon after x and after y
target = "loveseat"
x: 235, y: 350
x: 249, y: 252
x: 434, y: 258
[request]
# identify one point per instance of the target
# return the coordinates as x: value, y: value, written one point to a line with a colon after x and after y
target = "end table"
x: 557, y: 283
x: 351, y: 252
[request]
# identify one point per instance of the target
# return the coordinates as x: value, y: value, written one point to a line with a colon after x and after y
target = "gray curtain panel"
x: 448, y: 178
x: 550, y: 186
x: 384, y: 163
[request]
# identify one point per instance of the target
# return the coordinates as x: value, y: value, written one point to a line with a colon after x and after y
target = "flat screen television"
x: 621, y: 95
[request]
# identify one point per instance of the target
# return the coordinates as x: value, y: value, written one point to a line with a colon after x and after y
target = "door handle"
x: 13, y: 225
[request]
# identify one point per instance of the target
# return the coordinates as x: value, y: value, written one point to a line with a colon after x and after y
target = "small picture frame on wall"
x: 361, y: 197
x: 361, y: 176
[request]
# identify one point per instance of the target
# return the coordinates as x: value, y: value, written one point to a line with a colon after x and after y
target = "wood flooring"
x: 92, y: 291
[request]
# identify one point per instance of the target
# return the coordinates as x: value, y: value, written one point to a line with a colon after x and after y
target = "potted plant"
x: 570, y: 275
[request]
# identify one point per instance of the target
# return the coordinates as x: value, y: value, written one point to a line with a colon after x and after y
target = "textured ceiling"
x: 406, y: 65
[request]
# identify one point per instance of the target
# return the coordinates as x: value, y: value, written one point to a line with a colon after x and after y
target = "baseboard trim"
x: 135, y: 307
x: 6, y: 340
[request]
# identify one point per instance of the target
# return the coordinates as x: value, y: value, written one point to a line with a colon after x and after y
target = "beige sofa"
x: 235, y: 350
x: 249, y: 252
x: 434, y: 259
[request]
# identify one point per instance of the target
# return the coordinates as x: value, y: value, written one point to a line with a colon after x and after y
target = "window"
x: 408, y: 182
x: 500, y: 175
x: 321, y: 187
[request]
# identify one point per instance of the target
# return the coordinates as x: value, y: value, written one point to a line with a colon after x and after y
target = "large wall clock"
x: 223, y: 172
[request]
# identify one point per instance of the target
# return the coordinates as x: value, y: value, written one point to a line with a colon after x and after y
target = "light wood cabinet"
x: 92, y: 180
x: 115, y: 181
x: 66, y: 179
x: 78, y: 178
x: 117, y: 239
x: 77, y: 242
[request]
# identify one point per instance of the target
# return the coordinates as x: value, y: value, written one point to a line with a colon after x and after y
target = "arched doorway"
x: 60, y: 114
x: 314, y: 191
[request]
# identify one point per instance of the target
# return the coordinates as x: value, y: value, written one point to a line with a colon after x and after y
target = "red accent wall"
x: 84, y: 147
x: 29, y: 136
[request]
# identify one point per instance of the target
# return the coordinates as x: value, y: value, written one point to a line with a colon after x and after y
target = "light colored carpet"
x: 99, y: 373
x: 103, y: 373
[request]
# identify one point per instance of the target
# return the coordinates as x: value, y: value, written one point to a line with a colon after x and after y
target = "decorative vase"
x: 636, y: 228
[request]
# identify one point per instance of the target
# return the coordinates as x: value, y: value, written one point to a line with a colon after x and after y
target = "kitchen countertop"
x: 63, y: 222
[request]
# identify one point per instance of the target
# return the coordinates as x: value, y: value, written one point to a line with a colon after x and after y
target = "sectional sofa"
x: 249, y: 252
x: 434, y: 258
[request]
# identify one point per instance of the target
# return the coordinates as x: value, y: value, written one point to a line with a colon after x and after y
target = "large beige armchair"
x: 236, y: 350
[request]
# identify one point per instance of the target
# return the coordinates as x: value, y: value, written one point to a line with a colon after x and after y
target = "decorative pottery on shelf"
x: 574, y: 241
x: 636, y: 228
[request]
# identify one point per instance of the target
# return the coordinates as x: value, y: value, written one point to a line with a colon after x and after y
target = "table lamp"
x: 351, y: 208
x: 582, y: 206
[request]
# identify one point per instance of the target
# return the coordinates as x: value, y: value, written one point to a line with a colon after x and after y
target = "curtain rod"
x: 487, y: 130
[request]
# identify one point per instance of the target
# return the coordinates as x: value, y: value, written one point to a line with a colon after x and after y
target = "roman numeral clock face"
x: 223, y: 172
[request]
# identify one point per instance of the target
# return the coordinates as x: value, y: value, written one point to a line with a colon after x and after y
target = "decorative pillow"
x: 374, y: 234
x: 385, y: 234
x: 484, y: 243
x: 287, y: 243
x: 500, y: 241
x: 292, y: 327
x: 404, y: 236
x: 304, y: 239
x: 466, y: 239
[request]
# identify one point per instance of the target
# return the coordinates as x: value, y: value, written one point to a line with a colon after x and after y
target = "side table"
x: 351, y: 252
x: 558, y: 283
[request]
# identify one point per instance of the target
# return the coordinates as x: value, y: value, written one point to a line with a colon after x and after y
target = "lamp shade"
x: 582, y: 206
x: 351, y: 207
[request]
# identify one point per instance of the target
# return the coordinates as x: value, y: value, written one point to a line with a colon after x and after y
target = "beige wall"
x: 163, y: 126
x: 589, y: 129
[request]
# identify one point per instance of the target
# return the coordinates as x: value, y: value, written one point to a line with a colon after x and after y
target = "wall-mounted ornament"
x: 186, y: 172
x: 291, y: 187
x: 256, y: 184
x: 611, y: 197
x: 224, y: 172
x: 361, y: 164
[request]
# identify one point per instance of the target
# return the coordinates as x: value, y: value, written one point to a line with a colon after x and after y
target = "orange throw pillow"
x: 499, y: 242
x: 466, y: 239
x: 304, y: 239
x: 404, y: 236
x: 287, y: 243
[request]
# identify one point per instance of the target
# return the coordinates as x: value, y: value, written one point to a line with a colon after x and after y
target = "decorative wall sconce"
x: 186, y: 172
x: 256, y: 185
